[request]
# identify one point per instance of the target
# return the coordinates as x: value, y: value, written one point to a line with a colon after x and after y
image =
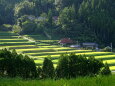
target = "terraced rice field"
x: 44, y: 48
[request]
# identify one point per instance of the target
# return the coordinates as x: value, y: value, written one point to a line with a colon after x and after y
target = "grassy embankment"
x: 86, y: 81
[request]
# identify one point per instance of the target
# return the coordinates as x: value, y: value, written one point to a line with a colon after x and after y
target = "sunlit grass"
x: 47, y: 40
x: 44, y: 56
x: 33, y: 49
x: 57, y: 51
x: 31, y: 35
x: 55, y: 61
x: 20, y: 46
x: 112, y: 68
x: 53, y: 46
x: 6, y: 41
x: 105, y: 57
x: 12, y: 39
x: 15, y: 42
x: 38, y: 61
x: 57, y: 54
x: 41, y: 44
x: 109, y: 61
x: 95, y: 53
x: 45, y: 48
x: 9, y: 37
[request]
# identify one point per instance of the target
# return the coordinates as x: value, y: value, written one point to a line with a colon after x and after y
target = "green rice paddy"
x: 44, y: 48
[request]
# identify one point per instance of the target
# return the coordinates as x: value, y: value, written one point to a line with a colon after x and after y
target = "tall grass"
x: 86, y: 81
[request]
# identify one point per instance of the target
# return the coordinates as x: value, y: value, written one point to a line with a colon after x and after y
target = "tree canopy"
x: 82, y: 20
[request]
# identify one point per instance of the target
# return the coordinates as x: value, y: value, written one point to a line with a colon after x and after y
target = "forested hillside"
x: 81, y: 20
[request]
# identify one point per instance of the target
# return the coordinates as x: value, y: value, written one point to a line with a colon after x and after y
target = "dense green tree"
x: 46, y: 5
x: 38, y: 7
x: 28, y: 27
x: 6, y: 27
x: 24, y: 8
x: 60, y: 4
x: 48, y: 68
x: 62, y: 67
x: 98, y: 16
x: 16, y: 29
x: 67, y: 20
x: 39, y: 72
x: 13, y: 65
x: 105, y: 70
x: 93, y: 66
x: 72, y: 66
x: 82, y: 20
x: 7, y: 12
x: 50, y: 18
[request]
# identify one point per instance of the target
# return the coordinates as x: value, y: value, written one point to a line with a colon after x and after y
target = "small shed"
x: 41, y: 18
x: 90, y: 45
x: 65, y: 41
x: 75, y: 46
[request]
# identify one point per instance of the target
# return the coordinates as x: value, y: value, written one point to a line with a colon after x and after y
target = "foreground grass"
x: 87, y: 81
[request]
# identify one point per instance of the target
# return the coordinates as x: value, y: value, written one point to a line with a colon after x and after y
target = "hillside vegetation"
x: 30, y: 53
x: 43, y: 48
x: 81, y: 20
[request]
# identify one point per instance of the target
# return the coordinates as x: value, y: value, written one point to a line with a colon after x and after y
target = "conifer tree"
x: 105, y: 70
x: 48, y: 68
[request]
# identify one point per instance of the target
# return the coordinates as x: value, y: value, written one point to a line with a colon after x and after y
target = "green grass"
x: 56, y: 54
x: 110, y: 62
x: 54, y: 46
x: 16, y: 43
x: 86, y: 81
x: 112, y: 68
x: 20, y: 46
x: 48, y: 51
x: 13, y: 40
x: 38, y: 61
x: 105, y: 57
x: 45, y: 50
x: 36, y: 37
x: 7, y: 34
x: 48, y: 40
x: 9, y: 37
x: 54, y: 42
x: 43, y: 44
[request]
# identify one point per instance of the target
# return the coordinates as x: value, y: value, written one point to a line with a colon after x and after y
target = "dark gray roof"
x: 91, y: 44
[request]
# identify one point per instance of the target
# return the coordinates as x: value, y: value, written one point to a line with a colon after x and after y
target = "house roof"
x: 41, y: 18
x: 90, y: 44
x: 55, y: 18
x: 31, y: 17
x: 65, y: 41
